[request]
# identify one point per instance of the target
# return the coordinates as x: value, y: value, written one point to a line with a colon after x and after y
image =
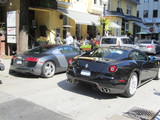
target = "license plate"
x: 19, y: 62
x: 85, y: 73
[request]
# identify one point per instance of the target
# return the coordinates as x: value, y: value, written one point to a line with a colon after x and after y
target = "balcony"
x: 134, y: 1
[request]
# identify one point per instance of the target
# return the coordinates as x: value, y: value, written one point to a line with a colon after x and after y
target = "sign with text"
x: 11, y: 39
x: 11, y: 19
x: 11, y: 31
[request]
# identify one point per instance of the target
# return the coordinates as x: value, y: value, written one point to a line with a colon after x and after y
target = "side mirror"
x: 151, y: 58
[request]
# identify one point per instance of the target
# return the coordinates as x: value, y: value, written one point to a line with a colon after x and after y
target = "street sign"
x: 151, y: 29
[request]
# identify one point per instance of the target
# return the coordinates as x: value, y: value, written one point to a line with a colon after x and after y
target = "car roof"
x: 115, y: 37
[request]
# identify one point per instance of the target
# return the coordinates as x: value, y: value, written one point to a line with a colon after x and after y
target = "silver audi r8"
x: 44, y: 60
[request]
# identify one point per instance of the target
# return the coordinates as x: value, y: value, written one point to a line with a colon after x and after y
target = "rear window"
x: 41, y: 49
x: 109, y: 53
x: 109, y: 40
x: 144, y: 42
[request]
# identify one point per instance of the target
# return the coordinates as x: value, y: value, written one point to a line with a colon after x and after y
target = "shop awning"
x: 141, y: 25
x: 114, y: 25
x: 81, y: 18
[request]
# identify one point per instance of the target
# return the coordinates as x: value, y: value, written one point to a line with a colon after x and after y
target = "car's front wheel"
x: 132, y: 85
x: 48, y: 69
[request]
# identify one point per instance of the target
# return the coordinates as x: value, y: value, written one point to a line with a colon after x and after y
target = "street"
x: 27, y: 97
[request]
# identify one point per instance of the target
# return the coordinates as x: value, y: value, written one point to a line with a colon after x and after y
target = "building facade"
x: 149, y: 11
x: 46, y: 18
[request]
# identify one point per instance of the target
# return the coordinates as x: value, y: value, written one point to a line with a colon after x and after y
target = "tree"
x: 23, y: 27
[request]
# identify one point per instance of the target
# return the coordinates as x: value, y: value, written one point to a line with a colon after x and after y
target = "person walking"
x: 69, y: 39
x: 58, y: 39
x: 135, y: 39
x: 75, y: 42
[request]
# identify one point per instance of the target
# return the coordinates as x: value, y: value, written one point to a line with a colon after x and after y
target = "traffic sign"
x: 151, y: 29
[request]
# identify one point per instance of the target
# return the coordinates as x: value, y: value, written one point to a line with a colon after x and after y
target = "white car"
x: 116, y: 41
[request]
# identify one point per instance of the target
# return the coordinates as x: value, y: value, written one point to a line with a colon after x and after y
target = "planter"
x: 85, y: 49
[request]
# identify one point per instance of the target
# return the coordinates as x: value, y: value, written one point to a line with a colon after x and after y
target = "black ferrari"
x: 44, y: 60
x: 113, y: 69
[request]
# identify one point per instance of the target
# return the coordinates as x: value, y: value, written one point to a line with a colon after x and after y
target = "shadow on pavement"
x: 85, y: 89
x: 27, y: 75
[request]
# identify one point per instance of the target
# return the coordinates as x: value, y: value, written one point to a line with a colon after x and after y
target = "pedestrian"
x: 98, y: 37
x: 69, y: 39
x: 58, y: 39
x: 135, y: 39
x: 75, y: 42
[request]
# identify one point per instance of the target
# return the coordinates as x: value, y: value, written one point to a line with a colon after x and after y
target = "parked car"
x: 148, y: 46
x: 44, y: 60
x: 116, y: 41
x: 114, y: 69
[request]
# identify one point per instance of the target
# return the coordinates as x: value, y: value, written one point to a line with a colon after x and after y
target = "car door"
x: 127, y: 42
x: 157, y: 46
x: 146, y: 67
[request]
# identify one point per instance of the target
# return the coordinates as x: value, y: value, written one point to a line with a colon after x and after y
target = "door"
x: 146, y: 67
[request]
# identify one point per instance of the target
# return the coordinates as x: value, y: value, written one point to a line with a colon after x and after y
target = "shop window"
x: 155, y: 13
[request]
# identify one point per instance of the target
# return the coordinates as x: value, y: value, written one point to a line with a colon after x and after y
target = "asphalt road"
x: 27, y: 97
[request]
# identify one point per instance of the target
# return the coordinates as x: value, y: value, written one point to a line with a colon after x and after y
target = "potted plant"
x: 86, y: 47
x: 42, y: 40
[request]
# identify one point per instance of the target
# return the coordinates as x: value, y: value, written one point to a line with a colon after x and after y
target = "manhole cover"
x: 140, y: 114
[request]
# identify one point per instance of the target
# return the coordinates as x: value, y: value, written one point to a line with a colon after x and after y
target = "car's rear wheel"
x: 158, y: 75
x: 48, y: 69
x: 132, y: 85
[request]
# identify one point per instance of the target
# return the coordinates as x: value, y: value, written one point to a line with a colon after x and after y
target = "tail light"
x: 149, y: 46
x: 70, y: 61
x: 113, y: 68
x: 13, y: 57
x: 32, y: 59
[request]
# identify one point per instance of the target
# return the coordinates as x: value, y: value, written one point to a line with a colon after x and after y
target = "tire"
x: 158, y: 75
x: 48, y: 69
x: 132, y: 85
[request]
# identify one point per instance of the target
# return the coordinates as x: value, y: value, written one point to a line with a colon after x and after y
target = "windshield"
x: 41, y: 49
x: 144, y: 42
x: 109, y: 53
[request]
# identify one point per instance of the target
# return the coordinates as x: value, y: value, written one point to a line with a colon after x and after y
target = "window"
x: 129, y: 10
x: 98, y: 2
x: 126, y: 27
x: 155, y: 0
x: 146, y: 0
x: 109, y: 41
x: 119, y: 5
x: 137, y: 13
x: 127, y: 41
x: 137, y: 56
x: 145, y: 14
x: 155, y: 13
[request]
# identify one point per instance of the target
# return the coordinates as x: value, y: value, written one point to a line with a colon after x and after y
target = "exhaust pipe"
x: 105, y: 90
